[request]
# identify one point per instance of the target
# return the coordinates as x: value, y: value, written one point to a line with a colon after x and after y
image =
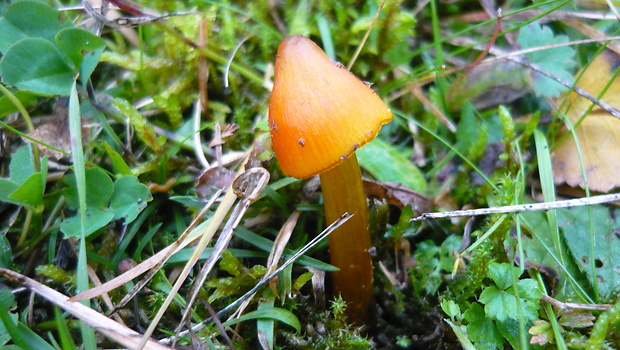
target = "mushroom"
x: 319, y: 115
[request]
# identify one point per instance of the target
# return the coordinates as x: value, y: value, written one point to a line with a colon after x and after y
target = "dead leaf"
x: 397, y: 194
x: 598, y: 134
x: 53, y: 131
x: 214, y: 179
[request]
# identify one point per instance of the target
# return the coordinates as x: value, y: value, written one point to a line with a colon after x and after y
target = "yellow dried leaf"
x: 598, y: 134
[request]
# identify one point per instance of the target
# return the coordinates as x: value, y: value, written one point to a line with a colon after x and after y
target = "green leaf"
x: 22, y: 165
x: 6, y: 255
x: 37, y: 65
x: 302, y: 280
x: 451, y: 308
x: 129, y: 198
x: 502, y: 305
x: 557, y: 61
x: 387, y: 163
x: 509, y: 329
x: 266, y: 245
x: 24, y: 19
x: 265, y: 326
x: 26, y: 186
x: 99, y: 189
x: 63, y: 331
x: 460, y: 333
x: 117, y: 160
x: 504, y: 275
x: 480, y: 328
x: 528, y: 289
x: 8, y: 107
x: 471, y: 133
x: 274, y: 313
x: 30, y: 192
x: 95, y: 219
x: 6, y: 188
x: 83, y: 49
x: 8, y: 328
x: 498, y: 304
x: 576, y: 225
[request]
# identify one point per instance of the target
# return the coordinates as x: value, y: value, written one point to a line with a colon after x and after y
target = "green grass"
x: 126, y: 179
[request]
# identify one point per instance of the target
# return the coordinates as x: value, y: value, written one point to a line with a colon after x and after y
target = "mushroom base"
x: 349, y: 245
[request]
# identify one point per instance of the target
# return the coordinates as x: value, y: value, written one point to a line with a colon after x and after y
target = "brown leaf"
x: 213, y: 179
x: 54, y: 131
x: 397, y: 194
x: 598, y: 134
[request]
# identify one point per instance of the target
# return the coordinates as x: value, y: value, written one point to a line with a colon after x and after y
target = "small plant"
x: 487, y: 324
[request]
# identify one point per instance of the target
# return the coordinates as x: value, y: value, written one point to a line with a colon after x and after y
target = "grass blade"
x: 75, y: 130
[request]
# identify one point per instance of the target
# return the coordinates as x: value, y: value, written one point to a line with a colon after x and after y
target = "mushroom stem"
x: 349, y: 245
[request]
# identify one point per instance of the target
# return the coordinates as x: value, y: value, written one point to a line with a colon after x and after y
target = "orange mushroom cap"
x: 319, y: 112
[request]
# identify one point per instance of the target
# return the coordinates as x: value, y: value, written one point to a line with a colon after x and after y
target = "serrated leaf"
x: 95, y: 219
x: 386, y: 163
x: 45, y: 72
x: 498, y: 304
x: 481, y: 328
x: 502, y: 305
x: 528, y: 289
x: 557, y: 61
x: 24, y: 19
x: 504, y: 275
x: 451, y: 308
x: 129, y: 198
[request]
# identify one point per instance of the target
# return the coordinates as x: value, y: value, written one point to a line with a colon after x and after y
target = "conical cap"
x: 319, y: 113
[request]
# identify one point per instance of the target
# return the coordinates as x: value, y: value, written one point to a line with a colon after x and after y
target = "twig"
x: 489, y: 45
x: 238, y: 186
x: 607, y: 108
x: 361, y: 45
x: 174, y: 248
x: 108, y: 327
x: 292, y: 259
x: 573, y: 306
x: 606, y: 198
x: 612, y: 7
x: 248, y: 186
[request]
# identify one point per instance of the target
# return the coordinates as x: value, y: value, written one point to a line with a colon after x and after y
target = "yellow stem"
x: 349, y: 245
